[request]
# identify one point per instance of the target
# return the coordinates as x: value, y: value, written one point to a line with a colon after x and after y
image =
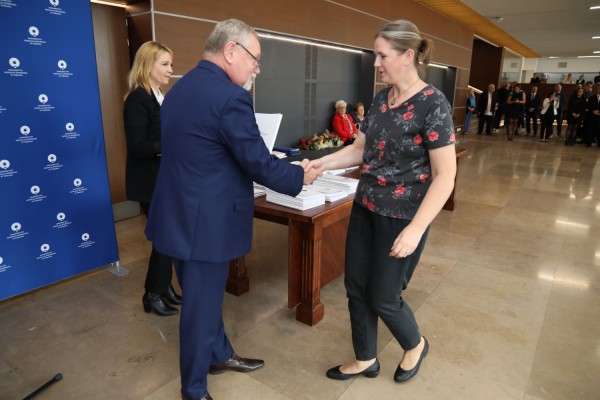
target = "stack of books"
x: 336, y: 182
x: 307, y: 198
x: 330, y: 193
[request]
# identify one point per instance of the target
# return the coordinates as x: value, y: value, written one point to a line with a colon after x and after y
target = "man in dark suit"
x: 485, y: 108
x: 532, y: 109
x: 593, y: 118
x: 203, y: 204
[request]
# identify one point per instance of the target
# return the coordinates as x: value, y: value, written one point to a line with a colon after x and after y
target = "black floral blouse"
x: 397, y: 173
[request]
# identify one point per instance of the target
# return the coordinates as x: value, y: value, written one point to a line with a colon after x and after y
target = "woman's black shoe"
x: 172, y: 297
x: 371, y: 372
x: 153, y: 301
x: 402, y: 376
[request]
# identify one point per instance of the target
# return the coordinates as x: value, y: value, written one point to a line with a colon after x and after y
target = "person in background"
x: 343, y: 124
x: 152, y: 68
x: 359, y: 113
x: 575, y: 113
x: 568, y: 80
x: 535, y: 78
x: 581, y: 80
x: 560, y: 97
x: 486, y: 106
x: 408, y: 173
x: 469, y: 109
x: 593, y: 117
x: 501, y: 112
x: 548, y: 115
x: 597, y: 78
x: 203, y: 206
x: 544, y: 78
x: 515, y: 104
x: 532, y: 110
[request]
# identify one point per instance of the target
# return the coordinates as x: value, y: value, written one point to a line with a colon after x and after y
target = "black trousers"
x: 160, y: 267
x: 375, y: 281
x: 531, y: 116
x: 488, y: 120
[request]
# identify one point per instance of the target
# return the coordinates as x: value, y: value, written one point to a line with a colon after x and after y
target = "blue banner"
x: 56, y: 216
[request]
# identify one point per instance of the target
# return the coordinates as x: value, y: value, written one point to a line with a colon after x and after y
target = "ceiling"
x: 550, y: 28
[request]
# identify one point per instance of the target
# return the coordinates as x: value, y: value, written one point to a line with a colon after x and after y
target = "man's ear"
x: 228, y: 51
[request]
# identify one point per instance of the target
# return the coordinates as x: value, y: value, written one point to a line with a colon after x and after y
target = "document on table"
x: 268, y: 125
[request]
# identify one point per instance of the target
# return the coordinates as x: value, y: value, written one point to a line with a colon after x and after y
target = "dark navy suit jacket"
x: 535, y: 103
x: 212, y: 151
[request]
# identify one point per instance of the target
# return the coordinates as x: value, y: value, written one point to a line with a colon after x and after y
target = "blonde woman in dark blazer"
x: 152, y: 68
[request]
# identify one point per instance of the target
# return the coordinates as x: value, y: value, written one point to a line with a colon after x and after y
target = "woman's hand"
x: 406, y: 242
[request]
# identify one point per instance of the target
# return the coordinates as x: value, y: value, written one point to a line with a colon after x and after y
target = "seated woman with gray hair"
x: 343, y: 124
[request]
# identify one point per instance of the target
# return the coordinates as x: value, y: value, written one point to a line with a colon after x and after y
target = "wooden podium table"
x: 317, y: 239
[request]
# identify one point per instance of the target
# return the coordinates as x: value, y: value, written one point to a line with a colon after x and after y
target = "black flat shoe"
x: 172, y: 297
x: 207, y: 397
x: 402, y: 376
x: 154, y: 302
x: 371, y: 372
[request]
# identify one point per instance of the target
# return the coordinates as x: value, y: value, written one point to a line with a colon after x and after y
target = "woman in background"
x: 548, y: 115
x: 471, y: 104
x: 359, y: 112
x: 152, y: 68
x: 343, y: 124
x: 575, y: 113
x: 516, y: 107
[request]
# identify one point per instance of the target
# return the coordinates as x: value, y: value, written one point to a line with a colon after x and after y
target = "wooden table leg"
x: 305, y: 272
x: 237, y: 282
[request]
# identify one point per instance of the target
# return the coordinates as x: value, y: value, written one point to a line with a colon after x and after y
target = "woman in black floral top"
x: 409, y: 163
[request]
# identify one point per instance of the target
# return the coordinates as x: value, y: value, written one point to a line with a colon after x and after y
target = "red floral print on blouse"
x: 433, y: 136
x: 408, y: 115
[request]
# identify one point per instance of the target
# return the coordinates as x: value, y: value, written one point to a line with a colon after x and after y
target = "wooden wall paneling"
x: 186, y: 37
x: 486, y: 62
x: 112, y: 58
x: 139, y: 29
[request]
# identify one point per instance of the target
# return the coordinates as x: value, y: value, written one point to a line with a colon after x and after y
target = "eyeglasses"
x: 256, y: 60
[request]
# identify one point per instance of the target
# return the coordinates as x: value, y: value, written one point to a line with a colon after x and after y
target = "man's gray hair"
x: 227, y: 31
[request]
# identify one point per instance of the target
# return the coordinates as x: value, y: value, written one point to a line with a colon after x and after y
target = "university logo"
x: 62, y: 64
x: 4, y: 164
x: 61, y: 216
x: 77, y: 182
x: 14, y: 62
x: 70, y: 127
x: 85, y: 237
x: 1, y: 260
x: 43, y: 98
x: 52, y: 158
x: 33, y: 31
x: 16, y: 227
x: 35, y: 190
x: 54, y: 3
x: 45, y: 248
x: 25, y: 130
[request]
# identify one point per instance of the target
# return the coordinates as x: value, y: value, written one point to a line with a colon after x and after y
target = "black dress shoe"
x: 236, y: 363
x: 172, y: 297
x: 154, y: 302
x: 207, y: 397
x: 337, y: 374
x: 402, y: 376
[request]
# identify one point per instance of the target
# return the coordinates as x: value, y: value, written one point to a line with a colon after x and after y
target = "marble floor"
x: 508, y: 294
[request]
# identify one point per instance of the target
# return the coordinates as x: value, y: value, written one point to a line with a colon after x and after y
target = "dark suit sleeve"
x: 240, y: 132
x: 137, y: 117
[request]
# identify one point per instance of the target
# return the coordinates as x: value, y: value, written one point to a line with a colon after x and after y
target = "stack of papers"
x: 307, y: 198
x: 289, y: 151
x: 330, y: 193
x: 259, y: 190
x: 343, y: 183
x: 339, y: 171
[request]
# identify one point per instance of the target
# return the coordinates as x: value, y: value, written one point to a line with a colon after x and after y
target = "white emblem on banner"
x: 44, y: 105
x: 62, y: 72
x: 70, y: 133
x: 55, y: 9
x: 45, y: 252
x: 53, y: 163
x: 3, y: 267
x: 79, y: 188
x: 25, y: 135
x: 86, y: 241
x: 36, y: 195
x: 5, y: 170
x: 34, y: 38
x: 18, y: 233
x: 14, y: 69
x: 62, y: 221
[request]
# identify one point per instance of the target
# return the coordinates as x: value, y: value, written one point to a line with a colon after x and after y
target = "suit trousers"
x: 202, y: 338
x: 488, y: 120
x: 160, y: 267
x: 374, y: 281
x: 529, y: 117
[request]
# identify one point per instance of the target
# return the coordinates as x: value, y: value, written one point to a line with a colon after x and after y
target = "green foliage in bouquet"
x: 320, y: 141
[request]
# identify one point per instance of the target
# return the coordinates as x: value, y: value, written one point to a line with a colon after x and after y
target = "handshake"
x: 312, y: 170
